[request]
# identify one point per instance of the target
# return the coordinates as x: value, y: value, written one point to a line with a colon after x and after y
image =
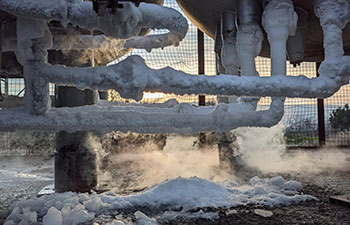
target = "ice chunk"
x: 53, y: 217
x: 93, y: 205
x: 77, y: 215
x: 186, y: 193
x: 278, y: 182
x: 9, y: 222
x: 263, y: 213
x: 116, y: 222
x: 293, y: 185
x: 142, y: 219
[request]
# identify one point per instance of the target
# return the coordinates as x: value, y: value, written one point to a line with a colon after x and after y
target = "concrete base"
x: 76, y: 162
x: 76, y: 153
x: 228, y: 152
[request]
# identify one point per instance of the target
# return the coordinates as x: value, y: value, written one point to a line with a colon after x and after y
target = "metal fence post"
x: 200, y: 42
x: 320, y: 113
x: 201, y: 98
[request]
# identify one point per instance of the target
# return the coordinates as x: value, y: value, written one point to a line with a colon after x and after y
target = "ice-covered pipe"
x: 279, y: 21
x: 296, y: 43
x: 125, y: 23
x: 334, y: 15
x: 182, y: 118
x: 132, y: 76
x: 33, y: 38
x: 249, y: 35
x: 249, y: 40
x: 229, y: 57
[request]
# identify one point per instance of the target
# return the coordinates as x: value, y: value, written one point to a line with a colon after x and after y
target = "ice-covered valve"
x: 249, y: 40
x: 249, y: 35
x: 229, y: 57
x: 279, y: 21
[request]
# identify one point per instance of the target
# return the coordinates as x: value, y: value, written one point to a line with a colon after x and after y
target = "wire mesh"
x: 338, y: 128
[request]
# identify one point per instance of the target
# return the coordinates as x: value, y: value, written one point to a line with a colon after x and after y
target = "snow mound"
x: 185, y: 193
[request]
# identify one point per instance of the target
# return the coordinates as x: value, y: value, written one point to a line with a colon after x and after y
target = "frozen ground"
x: 22, y: 178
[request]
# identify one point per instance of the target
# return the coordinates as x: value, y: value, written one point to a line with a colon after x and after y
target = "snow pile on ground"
x: 180, y: 193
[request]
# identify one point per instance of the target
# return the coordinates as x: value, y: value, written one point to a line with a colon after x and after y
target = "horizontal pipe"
x: 132, y: 76
x: 181, y: 118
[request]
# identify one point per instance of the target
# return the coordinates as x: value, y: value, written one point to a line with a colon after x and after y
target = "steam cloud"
x: 261, y: 148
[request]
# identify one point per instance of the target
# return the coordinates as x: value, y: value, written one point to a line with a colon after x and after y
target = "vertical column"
x: 76, y: 153
x: 33, y: 40
x: 320, y: 118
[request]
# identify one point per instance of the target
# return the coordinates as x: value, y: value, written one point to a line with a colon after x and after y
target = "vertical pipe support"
x: 249, y: 35
x: 33, y: 40
x: 219, y: 67
x: 296, y: 43
x: 249, y: 40
x: 332, y: 25
x: 76, y: 167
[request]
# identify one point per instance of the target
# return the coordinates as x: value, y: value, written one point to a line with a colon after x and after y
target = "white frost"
x: 53, y: 217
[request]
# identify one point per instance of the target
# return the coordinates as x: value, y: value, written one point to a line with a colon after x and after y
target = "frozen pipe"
x: 124, y: 23
x: 132, y: 76
x: 229, y: 57
x: 296, y: 43
x: 182, y: 118
x: 249, y: 35
x: 279, y: 21
x: 33, y: 38
x: 219, y: 67
x: 334, y: 15
x: 249, y: 40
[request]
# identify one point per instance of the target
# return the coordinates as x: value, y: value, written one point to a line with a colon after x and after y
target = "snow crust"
x: 188, y: 193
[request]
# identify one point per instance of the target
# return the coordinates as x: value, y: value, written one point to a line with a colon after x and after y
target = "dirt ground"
x: 313, y: 212
x: 322, y: 186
